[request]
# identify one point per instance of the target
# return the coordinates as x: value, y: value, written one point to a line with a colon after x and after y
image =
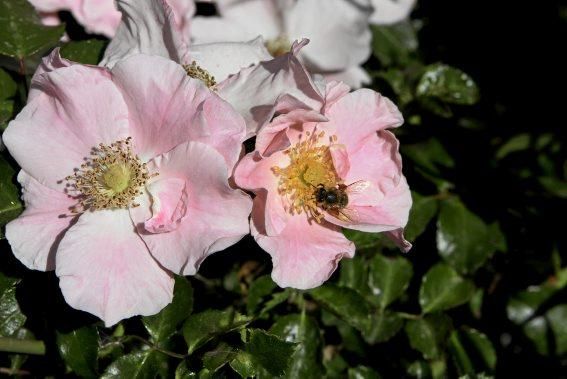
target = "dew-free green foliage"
x: 480, y: 295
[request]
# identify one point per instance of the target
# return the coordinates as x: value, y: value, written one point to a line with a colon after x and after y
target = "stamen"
x: 197, y: 72
x: 310, y: 165
x: 111, y: 178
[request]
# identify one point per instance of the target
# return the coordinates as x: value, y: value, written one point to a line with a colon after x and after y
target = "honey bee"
x: 334, y: 200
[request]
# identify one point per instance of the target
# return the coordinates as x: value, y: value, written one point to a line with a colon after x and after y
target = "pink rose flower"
x: 390, y: 11
x: 125, y: 179
x: 314, y: 173
x: 338, y: 31
x: 242, y: 73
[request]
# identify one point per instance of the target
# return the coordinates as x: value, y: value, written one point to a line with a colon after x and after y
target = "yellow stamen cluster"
x: 278, y: 46
x: 111, y: 178
x: 310, y: 165
x: 197, y: 72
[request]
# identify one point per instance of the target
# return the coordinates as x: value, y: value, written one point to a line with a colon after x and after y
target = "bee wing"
x: 357, y: 187
x: 347, y: 215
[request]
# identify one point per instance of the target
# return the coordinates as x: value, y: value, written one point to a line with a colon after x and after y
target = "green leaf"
x: 6, y: 112
x: 213, y: 360
x: 79, y: 350
x: 388, y: 279
x: 557, y: 318
x: 277, y: 299
x: 537, y: 330
x: 8, y: 86
x: 362, y: 372
x: 270, y: 352
x: 11, y: 317
x: 21, y: 31
x: 260, y: 288
x: 17, y: 360
x: 517, y: 143
x: 354, y: 274
x: 202, y: 327
x: 394, y: 44
x: 554, y: 186
x: 524, y: 304
x: 442, y: 288
x: 384, y: 325
x: 147, y: 364
x: 303, y: 330
x: 183, y: 372
x: 87, y: 52
x: 419, y: 369
x: 162, y: 325
x: 463, y: 239
x: 448, y: 84
x: 429, y: 335
x: 362, y: 240
x: 345, y: 303
x: 472, y: 352
x: 423, y: 209
x: 244, y: 365
x: 10, y: 205
x: 430, y: 155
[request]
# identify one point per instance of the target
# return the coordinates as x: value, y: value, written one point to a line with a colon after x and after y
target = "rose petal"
x: 354, y: 76
x: 169, y: 205
x: 390, y: 11
x: 75, y: 109
x: 216, y: 216
x: 104, y: 268
x: 35, y: 234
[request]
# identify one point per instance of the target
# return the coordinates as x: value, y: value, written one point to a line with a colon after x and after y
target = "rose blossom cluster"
x: 134, y: 170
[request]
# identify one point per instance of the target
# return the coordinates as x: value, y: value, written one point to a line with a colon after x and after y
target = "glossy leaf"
x: 524, y: 304
x: 394, y: 44
x: 270, y: 352
x: 388, y: 279
x: 537, y: 331
x: 87, y: 52
x: 260, y: 288
x: 429, y: 335
x: 362, y: 372
x: 354, y: 274
x: 442, y: 288
x: 6, y: 113
x: 162, y: 325
x: 244, y: 365
x: 429, y: 155
x: 472, y: 351
x: 10, y: 204
x: 557, y: 318
x: 213, y: 360
x: 22, y: 33
x: 345, y: 303
x: 202, y: 327
x: 11, y: 317
x: 463, y: 239
x: 79, y: 350
x: 147, y: 364
x: 383, y: 326
x: 448, y: 84
x: 303, y: 330
x: 423, y: 210
x: 8, y: 86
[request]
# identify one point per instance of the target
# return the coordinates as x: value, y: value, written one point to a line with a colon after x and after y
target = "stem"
x: 154, y: 347
x: 14, y: 345
x: 409, y: 316
x: 9, y: 371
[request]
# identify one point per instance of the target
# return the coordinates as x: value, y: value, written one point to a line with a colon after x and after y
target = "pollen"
x: 278, y: 46
x: 310, y: 165
x: 197, y: 72
x: 111, y: 178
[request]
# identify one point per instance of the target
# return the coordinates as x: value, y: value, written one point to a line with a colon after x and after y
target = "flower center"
x: 310, y: 165
x: 111, y: 178
x: 278, y: 46
x: 197, y: 72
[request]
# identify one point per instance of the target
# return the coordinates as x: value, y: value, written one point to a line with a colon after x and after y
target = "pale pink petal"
x: 354, y: 76
x: 75, y: 109
x: 216, y: 215
x: 306, y: 253
x: 359, y: 114
x: 183, y: 12
x: 49, y: 63
x: 167, y: 108
x: 338, y: 30
x: 390, y: 11
x: 227, y: 58
x: 35, y: 234
x: 397, y: 236
x: 385, y: 205
x: 49, y: 18
x: 168, y: 206
x: 100, y: 16
x: 254, y: 91
x: 340, y: 158
x: 147, y: 27
x: 104, y: 268
x: 246, y: 19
